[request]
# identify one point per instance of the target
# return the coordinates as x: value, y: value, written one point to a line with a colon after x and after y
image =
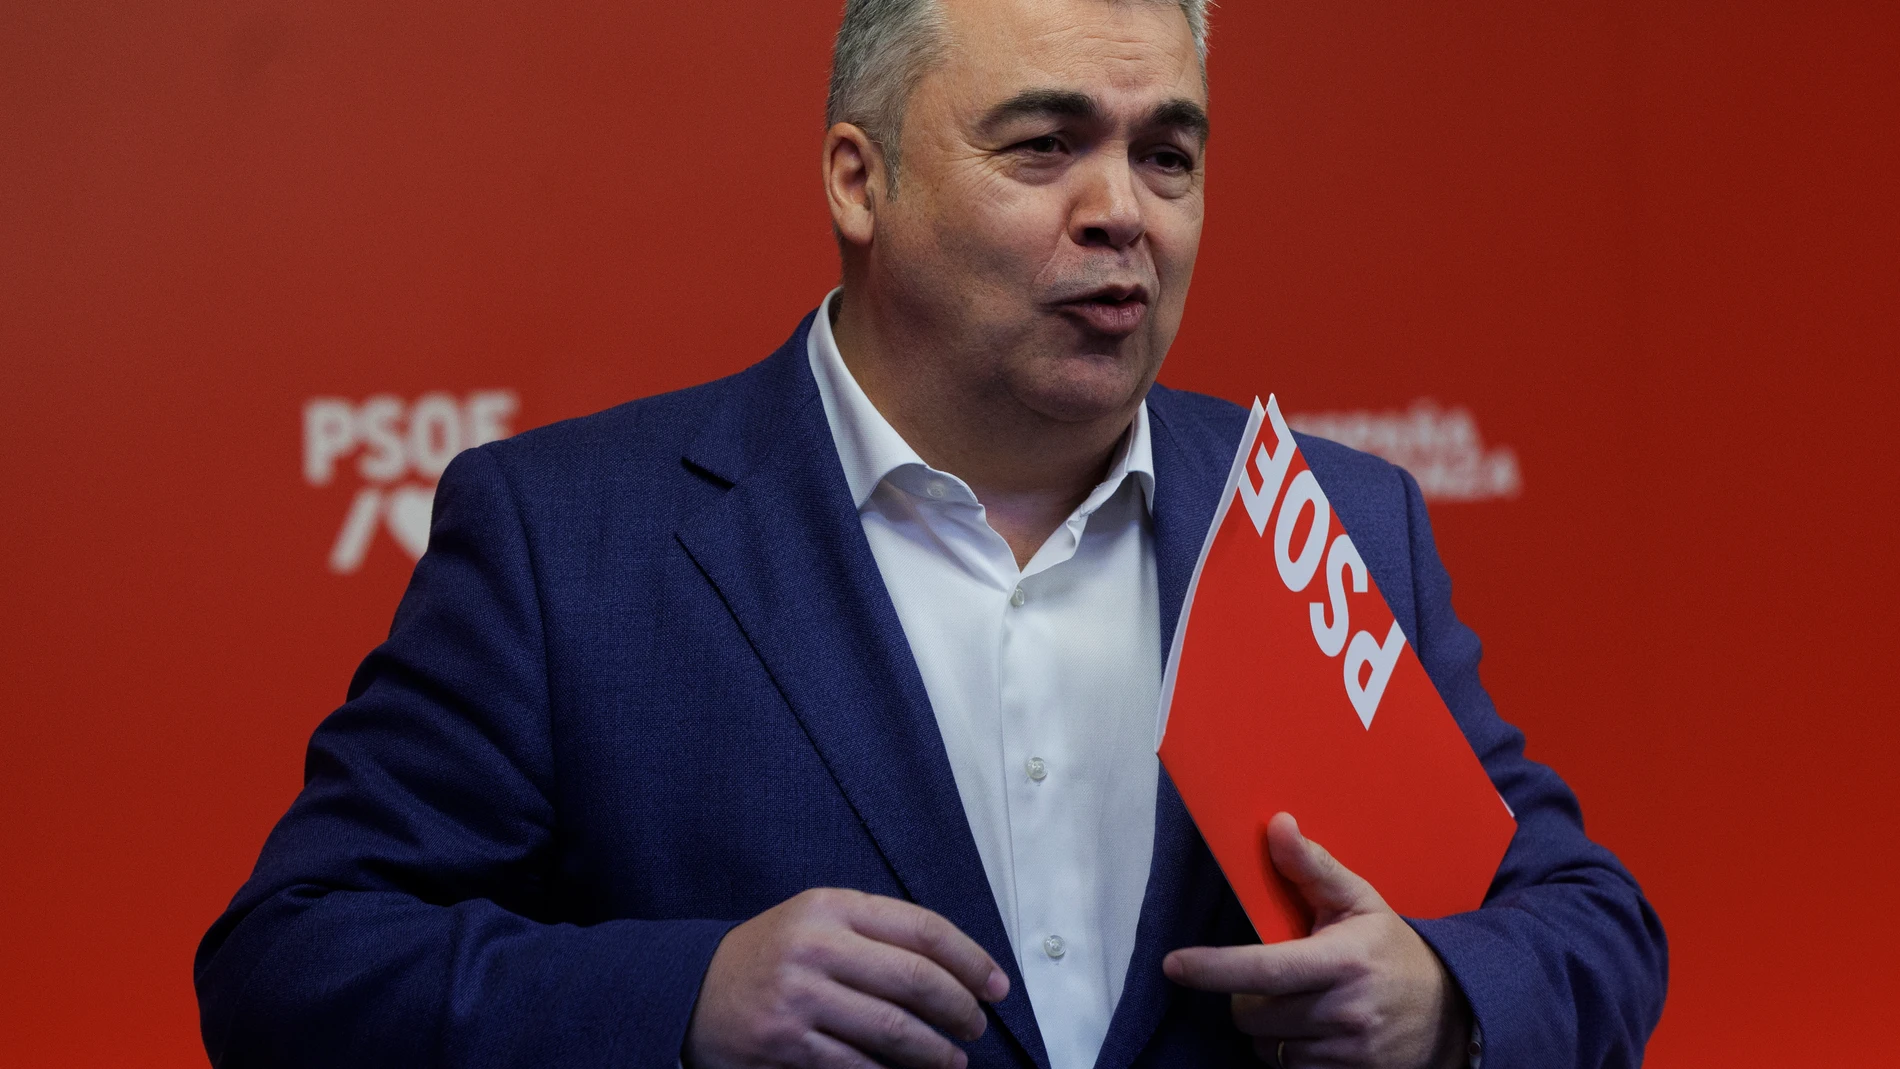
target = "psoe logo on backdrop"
x: 1440, y: 447
x: 400, y: 449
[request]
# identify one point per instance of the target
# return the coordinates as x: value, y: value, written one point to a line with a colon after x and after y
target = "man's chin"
x: 1086, y: 387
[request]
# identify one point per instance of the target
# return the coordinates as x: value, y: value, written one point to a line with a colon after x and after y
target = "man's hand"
x: 843, y: 979
x: 1362, y: 990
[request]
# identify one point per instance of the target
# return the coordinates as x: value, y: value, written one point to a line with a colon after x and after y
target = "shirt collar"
x: 871, y: 449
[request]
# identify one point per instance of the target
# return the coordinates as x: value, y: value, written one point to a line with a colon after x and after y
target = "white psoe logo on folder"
x: 401, y: 449
x: 1369, y: 662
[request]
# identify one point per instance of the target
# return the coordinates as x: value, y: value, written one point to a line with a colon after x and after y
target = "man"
x: 806, y: 717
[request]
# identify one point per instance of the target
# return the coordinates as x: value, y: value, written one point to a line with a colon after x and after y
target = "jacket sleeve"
x: 1565, y: 964
x: 402, y: 912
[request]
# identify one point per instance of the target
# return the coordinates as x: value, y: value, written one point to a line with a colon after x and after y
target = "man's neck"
x: 1030, y: 471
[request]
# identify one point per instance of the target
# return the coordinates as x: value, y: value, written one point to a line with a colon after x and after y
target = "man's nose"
x: 1108, y: 209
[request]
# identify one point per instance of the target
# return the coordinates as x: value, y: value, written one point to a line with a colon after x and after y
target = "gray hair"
x: 885, y: 46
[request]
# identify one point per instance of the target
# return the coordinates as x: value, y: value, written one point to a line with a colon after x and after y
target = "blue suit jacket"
x: 647, y: 683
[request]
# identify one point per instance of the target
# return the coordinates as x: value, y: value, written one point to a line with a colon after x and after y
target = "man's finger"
x: 904, y: 924
x: 913, y: 981
x: 824, y: 1052
x: 887, y: 1033
x: 1297, y: 1016
x: 1329, y: 887
x: 1306, y: 1053
x: 1288, y: 968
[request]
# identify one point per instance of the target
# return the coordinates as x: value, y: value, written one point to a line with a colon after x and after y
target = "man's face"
x: 1049, y: 205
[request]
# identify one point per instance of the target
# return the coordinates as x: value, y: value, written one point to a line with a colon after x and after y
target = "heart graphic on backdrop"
x: 408, y: 512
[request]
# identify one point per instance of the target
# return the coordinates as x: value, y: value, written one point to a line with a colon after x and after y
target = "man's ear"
x: 854, y: 181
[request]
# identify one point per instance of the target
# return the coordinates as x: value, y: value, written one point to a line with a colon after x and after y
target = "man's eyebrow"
x: 1181, y: 114
x: 1037, y: 103
x: 1178, y: 113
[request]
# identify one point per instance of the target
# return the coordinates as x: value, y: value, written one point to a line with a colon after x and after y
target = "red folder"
x: 1292, y: 687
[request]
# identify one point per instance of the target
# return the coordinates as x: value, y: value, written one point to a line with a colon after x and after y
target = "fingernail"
x: 997, y: 987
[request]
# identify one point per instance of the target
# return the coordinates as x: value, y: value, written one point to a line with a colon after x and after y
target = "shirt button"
x: 935, y: 490
x: 1037, y: 769
x: 1017, y: 598
x: 1053, y: 946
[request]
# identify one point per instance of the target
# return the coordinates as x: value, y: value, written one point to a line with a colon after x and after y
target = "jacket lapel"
x: 784, y: 548
x: 1184, y: 884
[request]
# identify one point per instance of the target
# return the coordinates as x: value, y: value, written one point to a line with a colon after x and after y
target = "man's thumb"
x: 1330, y: 888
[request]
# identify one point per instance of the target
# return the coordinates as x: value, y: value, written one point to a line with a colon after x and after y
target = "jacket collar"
x: 784, y: 548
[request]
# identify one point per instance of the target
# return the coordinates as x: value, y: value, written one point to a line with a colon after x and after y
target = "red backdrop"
x: 1649, y: 247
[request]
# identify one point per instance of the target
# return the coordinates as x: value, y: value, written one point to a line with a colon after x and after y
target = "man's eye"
x: 1047, y: 145
x: 1173, y: 162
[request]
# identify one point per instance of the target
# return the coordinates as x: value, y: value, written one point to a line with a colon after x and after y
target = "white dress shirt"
x: 1044, y: 681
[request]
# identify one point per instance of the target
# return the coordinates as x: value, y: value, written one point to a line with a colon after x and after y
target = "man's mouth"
x: 1114, y: 310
